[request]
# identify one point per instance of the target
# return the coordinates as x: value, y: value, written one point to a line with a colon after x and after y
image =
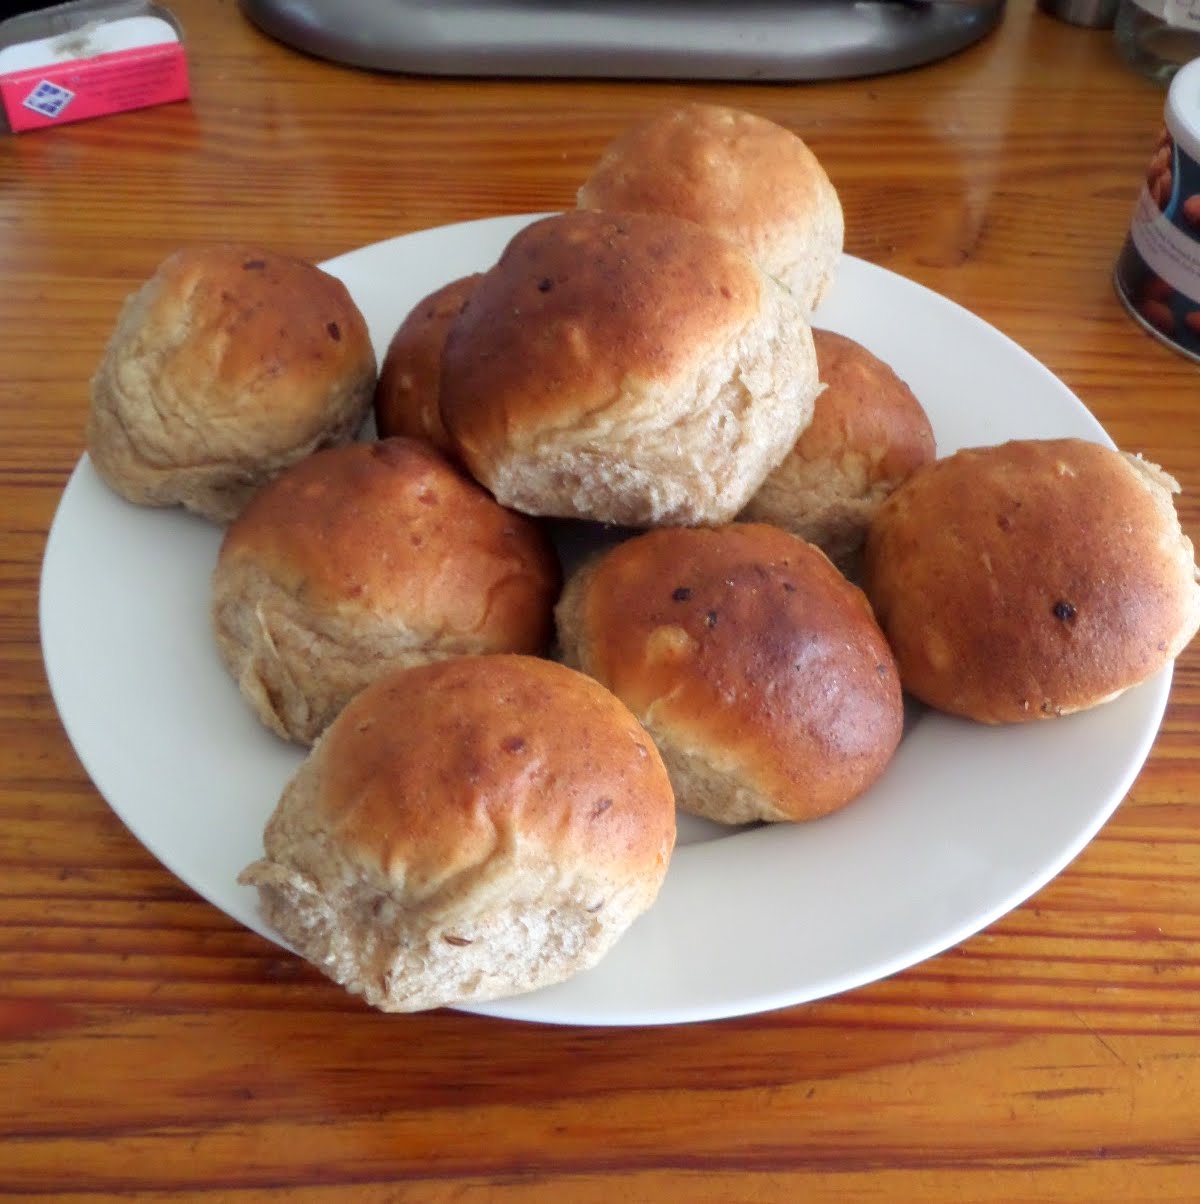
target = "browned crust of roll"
x: 757, y: 667
x: 406, y: 397
x: 736, y: 173
x: 868, y: 434
x: 364, y: 557
x: 468, y: 829
x: 229, y: 364
x: 626, y: 368
x: 578, y: 304
x: 1031, y: 579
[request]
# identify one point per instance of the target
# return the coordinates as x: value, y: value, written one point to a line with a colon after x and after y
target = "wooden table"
x: 151, y: 1047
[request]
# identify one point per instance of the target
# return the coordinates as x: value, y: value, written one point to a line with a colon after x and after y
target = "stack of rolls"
x: 500, y: 738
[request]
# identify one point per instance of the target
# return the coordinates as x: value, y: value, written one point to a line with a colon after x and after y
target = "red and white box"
x: 88, y: 58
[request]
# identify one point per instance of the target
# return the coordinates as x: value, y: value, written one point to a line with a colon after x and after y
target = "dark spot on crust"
x: 427, y: 497
x: 450, y: 939
x: 595, y: 907
x: 254, y: 265
x: 1006, y: 522
x: 682, y: 594
x: 1064, y: 611
x: 789, y: 587
x: 601, y: 805
x: 335, y: 331
x: 710, y: 619
x: 881, y: 669
x: 513, y: 744
x: 725, y: 292
x: 545, y: 285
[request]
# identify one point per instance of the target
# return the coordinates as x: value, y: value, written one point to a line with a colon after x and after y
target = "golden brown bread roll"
x: 757, y: 668
x: 629, y: 369
x: 364, y: 558
x: 1031, y: 579
x: 225, y: 367
x: 468, y: 830
x: 738, y: 174
x: 867, y: 434
x: 406, y: 397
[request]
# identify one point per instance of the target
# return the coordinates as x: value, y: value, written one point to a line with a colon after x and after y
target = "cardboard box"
x: 88, y: 58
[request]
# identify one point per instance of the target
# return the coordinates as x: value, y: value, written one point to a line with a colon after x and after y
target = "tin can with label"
x: 1158, y: 271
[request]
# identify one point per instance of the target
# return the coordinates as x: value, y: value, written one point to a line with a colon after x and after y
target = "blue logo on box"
x: 48, y: 99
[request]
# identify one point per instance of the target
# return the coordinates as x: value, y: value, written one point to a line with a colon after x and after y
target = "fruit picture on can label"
x: 1160, y: 177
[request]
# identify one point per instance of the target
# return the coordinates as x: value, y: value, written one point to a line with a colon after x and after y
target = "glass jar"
x: 1156, y: 37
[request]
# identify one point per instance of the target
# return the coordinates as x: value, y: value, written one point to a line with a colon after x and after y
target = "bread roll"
x: 225, y: 367
x: 738, y: 174
x: 1032, y: 578
x: 628, y: 369
x: 467, y: 830
x: 757, y: 668
x: 867, y: 434
x: 364, y: 558
x: 406, y: 397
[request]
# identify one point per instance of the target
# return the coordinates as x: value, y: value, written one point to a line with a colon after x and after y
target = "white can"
x: 1158, y: 271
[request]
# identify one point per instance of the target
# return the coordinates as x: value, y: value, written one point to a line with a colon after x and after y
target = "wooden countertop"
x: 151, y: 1047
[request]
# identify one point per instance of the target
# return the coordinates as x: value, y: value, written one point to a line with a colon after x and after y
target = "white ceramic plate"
x: 966, y: 823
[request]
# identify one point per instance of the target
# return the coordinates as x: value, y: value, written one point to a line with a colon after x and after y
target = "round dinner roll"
x: 867, y: 434
x: 738, y: 174
x: 755, y: 665
x: 364, y: 558
x: 629, y: 369
x: 406, y: 397
x: 226, y: 366
x: 467, y: 830
x: 1031, y: 579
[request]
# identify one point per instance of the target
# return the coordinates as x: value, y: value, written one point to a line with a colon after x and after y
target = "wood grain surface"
x: 151, y: 1048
